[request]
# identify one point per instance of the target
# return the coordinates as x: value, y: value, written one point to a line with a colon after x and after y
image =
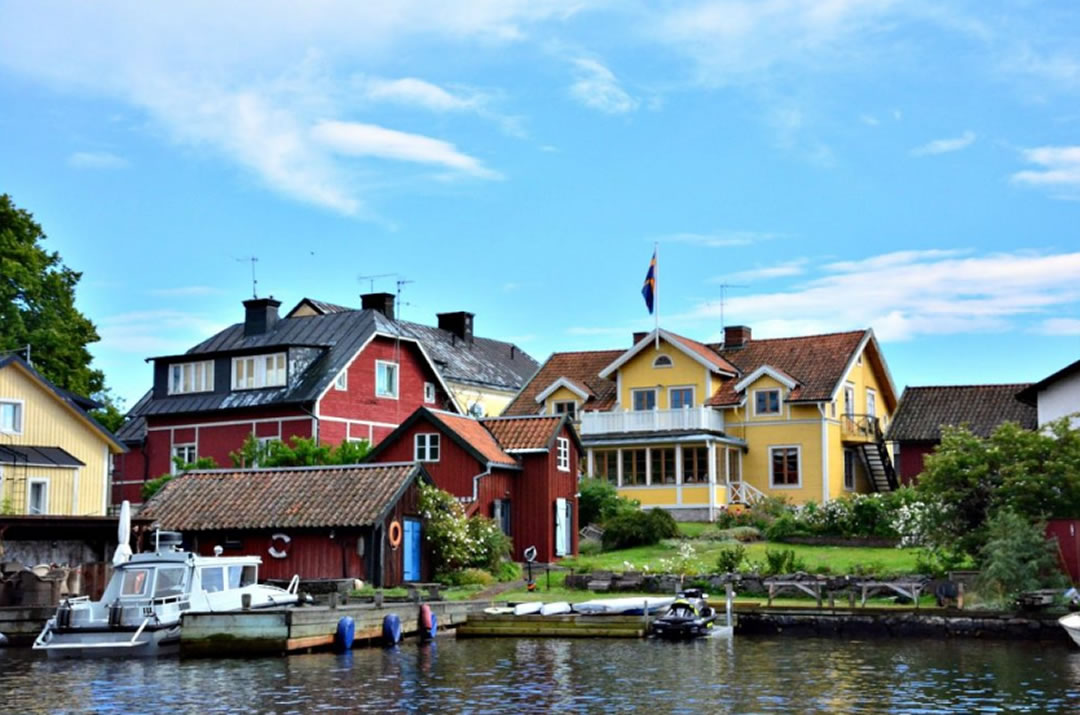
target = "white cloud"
x: 1060, y: 326
x: 418, y: 92
x: 720, y: 239
x: 1059, y: 170
x: 944, y: 146
x: 97, y: 160
x: 869, y: 120
x: 780, y: 270
x: 356, y: 139
x: 596, y: 87
x: 910, y: 293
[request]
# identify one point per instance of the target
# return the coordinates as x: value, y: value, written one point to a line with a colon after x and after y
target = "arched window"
x: 662, y: 361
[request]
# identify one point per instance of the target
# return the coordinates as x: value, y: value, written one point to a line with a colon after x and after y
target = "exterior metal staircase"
x: 875, y: 454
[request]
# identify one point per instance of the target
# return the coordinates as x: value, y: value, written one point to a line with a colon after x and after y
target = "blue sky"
x: 909, y: 166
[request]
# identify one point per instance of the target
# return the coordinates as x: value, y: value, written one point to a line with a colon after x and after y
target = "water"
x: 747, y: 674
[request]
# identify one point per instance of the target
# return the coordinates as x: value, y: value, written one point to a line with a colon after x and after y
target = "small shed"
x: 323, y: 522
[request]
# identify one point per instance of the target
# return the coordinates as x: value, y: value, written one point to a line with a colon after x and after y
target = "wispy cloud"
x: 869, y: 120
x: 910, y: 293
x: 596, y: 87
x: 96, y: 160
x: 1060, y: 326
x: 1059, y: 170
x: 721, y: 239
x: 944, y: 146
x: 185, y: 291
x: 780, y: 270
x: 420, y: 93
x: 355, y: 139
x: 150, y: 332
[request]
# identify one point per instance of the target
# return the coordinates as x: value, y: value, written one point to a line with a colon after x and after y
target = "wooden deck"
x: 562, y: 626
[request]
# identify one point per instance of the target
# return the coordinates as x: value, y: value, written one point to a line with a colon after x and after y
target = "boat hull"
x: 125, y: 642
x: 622, y: 606
x: 1071, y: 624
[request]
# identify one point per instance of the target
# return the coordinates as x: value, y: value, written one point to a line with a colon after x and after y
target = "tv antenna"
x: 371, y: 279
x: 254, y: 283
x: 723, y: 296
x: 401, y: 283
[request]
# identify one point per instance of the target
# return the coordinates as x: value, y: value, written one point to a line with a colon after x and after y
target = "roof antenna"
x: 401, y: 283
x: 371, y: 279
x: 723, y: 293
x: 254, y: 283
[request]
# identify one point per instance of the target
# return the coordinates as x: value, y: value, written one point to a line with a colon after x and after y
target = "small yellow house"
x: 691, y: 427
x: 54, y: 458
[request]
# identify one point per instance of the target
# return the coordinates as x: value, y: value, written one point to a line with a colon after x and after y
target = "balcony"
x: 860, y: 428
x: 621, y: 421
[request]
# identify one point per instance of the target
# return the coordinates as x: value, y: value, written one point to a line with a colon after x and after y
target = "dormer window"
x: 191, y: 377
x: 257, y: 371
x: 566, y: 407
x: 662, y: 361
x: 767, y: 402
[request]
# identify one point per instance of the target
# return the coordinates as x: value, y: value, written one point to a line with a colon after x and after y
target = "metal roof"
x: 38, y: 456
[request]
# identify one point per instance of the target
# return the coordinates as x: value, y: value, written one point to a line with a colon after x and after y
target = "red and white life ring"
x: 279, y: 553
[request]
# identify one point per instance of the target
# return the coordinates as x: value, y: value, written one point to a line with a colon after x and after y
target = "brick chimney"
x: 382, y: 302
x: 459, y: 323
x: 260, y: 315
x: 639, y: 336
x: 736, y: 336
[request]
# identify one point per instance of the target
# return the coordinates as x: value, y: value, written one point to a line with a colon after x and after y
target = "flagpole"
x: 656, y: 291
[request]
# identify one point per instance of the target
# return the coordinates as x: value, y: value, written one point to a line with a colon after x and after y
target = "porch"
x: 622, y: 421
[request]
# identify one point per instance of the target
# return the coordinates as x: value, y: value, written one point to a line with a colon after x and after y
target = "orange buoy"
x: 394, y: 535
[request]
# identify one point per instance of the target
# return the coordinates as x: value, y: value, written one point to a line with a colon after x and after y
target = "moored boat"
x: 629, y: 606
x: 1071, y: 624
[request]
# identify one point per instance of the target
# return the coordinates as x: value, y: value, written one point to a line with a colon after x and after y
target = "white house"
x: 1056, y: 396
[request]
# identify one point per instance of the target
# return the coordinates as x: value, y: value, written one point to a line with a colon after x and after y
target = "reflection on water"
x: 512, y: 675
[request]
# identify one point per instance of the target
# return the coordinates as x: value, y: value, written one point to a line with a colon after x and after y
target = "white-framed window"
x: 426, y: 447
x: 644, y: 399
x: 429, y: 392
x: 562, y: 458
x: 341, y: 382
x: 785, y: 467
x: 185, y: 377
x: 566, y: 407
x: 38, y: 496
x: 386, y: 379
x: 663, y: 361
x: 187, y: 453
x: 680, y: 397
x: 871, y: 402
x: 11, y: 416
x: 849, y: 400
x: 767, y: 402
x: 849, y: 470
x: 256, y: 371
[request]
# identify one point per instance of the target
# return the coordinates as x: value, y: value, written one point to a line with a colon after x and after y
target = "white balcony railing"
x: 688, y: 418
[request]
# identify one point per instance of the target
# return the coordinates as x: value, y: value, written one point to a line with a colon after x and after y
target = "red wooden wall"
x: 1067, y: 534
x: 311, y: 554
x: 910, y: 465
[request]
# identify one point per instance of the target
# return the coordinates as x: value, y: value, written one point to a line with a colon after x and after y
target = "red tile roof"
x: 923, y: 410
x: 581, y: 367
x: 524, y: 432
x: 473, y: 433
x: 706, y: 352
x: 289, y: 497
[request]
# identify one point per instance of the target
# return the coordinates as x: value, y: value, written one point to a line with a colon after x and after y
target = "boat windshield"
x: 135, y: 582
x: 240, y: 575
x: 212, y: 579
x: 170, y: 582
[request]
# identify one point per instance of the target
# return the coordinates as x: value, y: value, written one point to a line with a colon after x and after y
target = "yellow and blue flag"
x: 649, y: 289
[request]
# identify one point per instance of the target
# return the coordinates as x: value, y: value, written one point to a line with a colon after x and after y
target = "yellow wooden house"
x: 692, y: 427
x: 54, y: 458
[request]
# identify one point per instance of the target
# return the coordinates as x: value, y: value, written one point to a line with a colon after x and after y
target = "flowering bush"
x: 457, y: 541
x: 684, y: 563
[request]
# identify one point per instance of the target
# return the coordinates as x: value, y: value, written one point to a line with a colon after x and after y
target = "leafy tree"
x: 300, y: 452
x: 111, y: 414
x: 37, y: 305
x: 598, y: 501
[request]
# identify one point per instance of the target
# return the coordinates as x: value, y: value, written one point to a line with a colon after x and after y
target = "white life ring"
x: 284, y: 550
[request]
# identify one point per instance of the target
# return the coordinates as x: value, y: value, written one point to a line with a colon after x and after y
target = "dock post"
x: 960, y: 596
x: 333, y: 600
x: 729, y: 602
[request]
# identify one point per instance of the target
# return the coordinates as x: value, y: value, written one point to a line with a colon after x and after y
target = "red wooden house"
x: 521, y: 471
x: 333, y: 375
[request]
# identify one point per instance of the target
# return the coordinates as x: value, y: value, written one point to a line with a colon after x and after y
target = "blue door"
x: 412, y: 549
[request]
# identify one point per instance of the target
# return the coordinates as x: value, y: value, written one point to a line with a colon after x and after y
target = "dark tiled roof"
x: 524, y: 432
x: 473, y: 433
x: 581, y: 367
x: 134, y: 428
x: 712, y: 356
x: 296, y: 497
x: 44, y: 456
x: 923, y: 410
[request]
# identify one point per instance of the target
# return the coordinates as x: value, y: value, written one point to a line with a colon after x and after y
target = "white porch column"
x: 590, y: 469
x: 648, y: 466
x: 618, y: 466
x: 712, y: 479
x: 678, y: 474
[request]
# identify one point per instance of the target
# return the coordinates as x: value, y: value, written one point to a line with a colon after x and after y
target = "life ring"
x: 394, y: 535
x: 284, y: 550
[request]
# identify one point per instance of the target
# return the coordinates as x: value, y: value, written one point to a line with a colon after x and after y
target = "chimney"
x: 382, y: 302
x: 638, y: 337
x: 460, y: 324
x: 260, y: 314
x: 736, y: 336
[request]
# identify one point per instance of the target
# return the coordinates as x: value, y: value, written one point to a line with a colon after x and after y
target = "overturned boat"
x: 628, y: 606
x: 689, y: 616
x: 139, y: 612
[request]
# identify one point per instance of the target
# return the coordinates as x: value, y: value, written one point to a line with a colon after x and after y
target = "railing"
x: 687, y: 418
x: 743, y: 493
x: 866, y: 427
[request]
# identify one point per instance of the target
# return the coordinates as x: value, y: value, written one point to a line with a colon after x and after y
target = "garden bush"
x: 785, y: 526
x: 598, y: 501
x: 466, y: 577
x: 782, y: 561
x: 638, y: 528
x: 730, y: 558
x: 507, y: 571
x: 459, y: 542
x: 1017, y: 557
x: 744, y: 534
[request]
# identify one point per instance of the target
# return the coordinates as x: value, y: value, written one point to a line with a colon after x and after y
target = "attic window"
x: 341, y: 382
x: 11, y: 417
x: 563, y: 454
x: 252, y: 373
x: 663, y: 361
x: 188, y: 377
x: 429, y: 392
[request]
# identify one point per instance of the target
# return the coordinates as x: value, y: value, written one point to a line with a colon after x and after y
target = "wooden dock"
x: 289, y: 630
x: 22, y: 624
x: 563, y: 626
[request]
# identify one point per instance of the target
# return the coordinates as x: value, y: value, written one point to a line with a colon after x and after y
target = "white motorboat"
x: 631, y: 606
x: 139, y: 612
x: 1071, y: 624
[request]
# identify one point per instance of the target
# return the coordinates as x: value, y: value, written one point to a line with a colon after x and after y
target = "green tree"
x: 37, y: 305
x: 300, y: 452
x: 1017, y: 557
x: 153, y: 486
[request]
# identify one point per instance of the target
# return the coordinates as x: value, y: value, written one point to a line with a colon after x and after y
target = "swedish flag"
x: 649, y: 289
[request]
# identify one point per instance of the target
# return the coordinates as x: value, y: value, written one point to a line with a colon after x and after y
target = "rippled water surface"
x: 508, y: 675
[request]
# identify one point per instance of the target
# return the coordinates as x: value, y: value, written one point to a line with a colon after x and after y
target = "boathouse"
x: 324, y: 522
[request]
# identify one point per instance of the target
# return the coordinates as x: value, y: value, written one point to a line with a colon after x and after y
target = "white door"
x: 562, y: 528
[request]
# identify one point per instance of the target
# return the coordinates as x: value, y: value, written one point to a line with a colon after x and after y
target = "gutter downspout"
x: 315, y: 423
x: 476, y: 483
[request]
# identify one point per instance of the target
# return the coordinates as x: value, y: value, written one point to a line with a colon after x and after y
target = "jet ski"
x: 689, y: 616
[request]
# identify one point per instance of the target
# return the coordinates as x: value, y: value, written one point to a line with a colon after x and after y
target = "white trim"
x: 332, y: 418
x: 562, y: 382
x: 429, y: 387
x: 556, y: 403
x: 693, y: 396
x: 184, y: 445
x: 767, y: 423
x: 772, y: 372
x: 671, y: 363
x: 397, y: 380
x: 230, y: 423
x: 562, y: 454
x: 871, y: 397
x: 849, y: 405
x: 825, y: 487
x: 21, y: 412
x: 208, y: 377
x: 259, y: 365
x: 881, y: 359
x: 779, y: 402
x: 799, y: 466
x: 656, y: 397
x: 75, y: 493
x: 432, y: 442
x: 30, y: 494
x: 341, y: 381
x: 671, y: 340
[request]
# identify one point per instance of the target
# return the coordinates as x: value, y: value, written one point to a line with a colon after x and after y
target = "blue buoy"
x: 343, y: 637
x: 391, y: 629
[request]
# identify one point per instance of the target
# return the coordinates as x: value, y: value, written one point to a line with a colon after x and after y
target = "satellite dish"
x: 476, y: 410
x: 530, y: 554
